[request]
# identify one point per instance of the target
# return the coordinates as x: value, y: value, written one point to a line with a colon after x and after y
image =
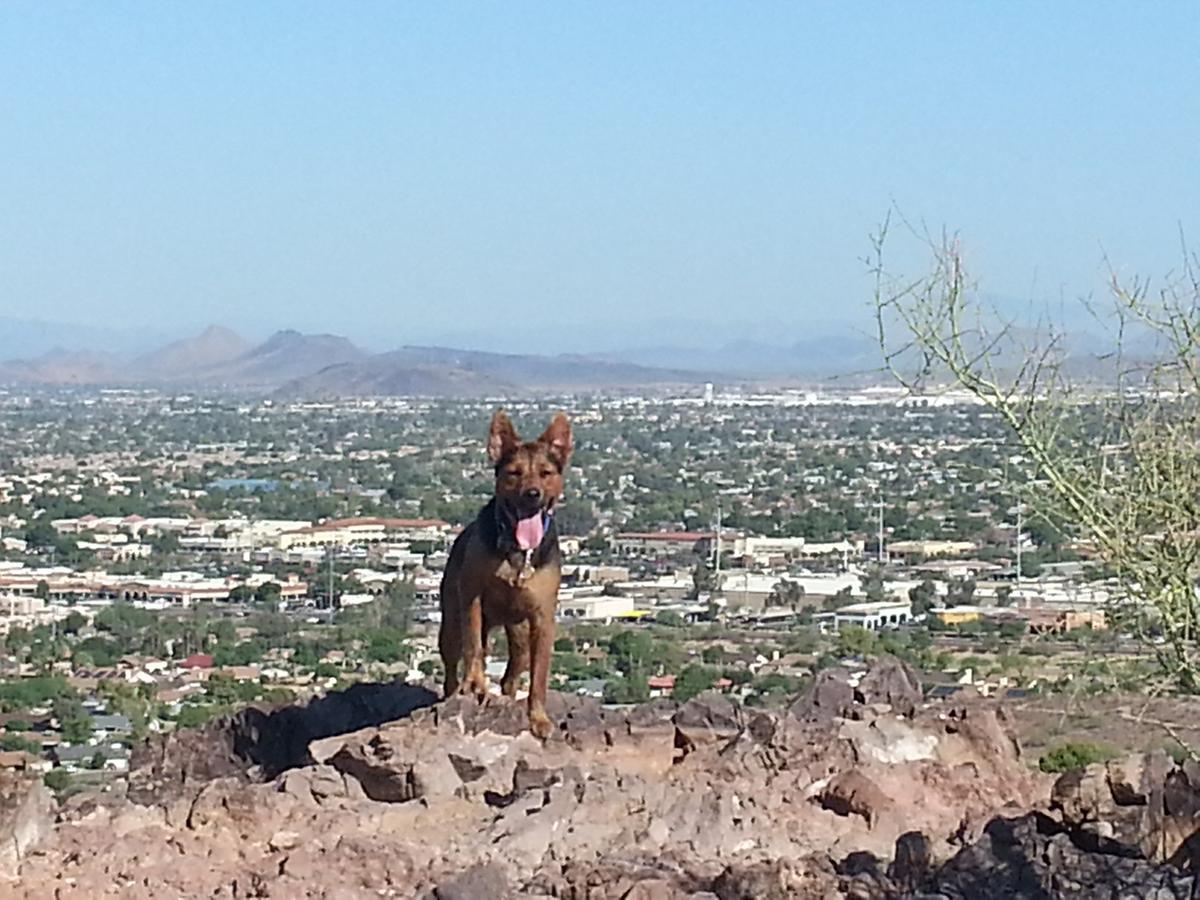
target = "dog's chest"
x: 516, y: 570
x: 521, y: 589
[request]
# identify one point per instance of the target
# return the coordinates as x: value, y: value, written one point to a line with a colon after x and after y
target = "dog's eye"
x: 513, y: 473
x: 546, y: 473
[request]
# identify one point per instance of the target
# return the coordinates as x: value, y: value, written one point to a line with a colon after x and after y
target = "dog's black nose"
x: 533, y: 493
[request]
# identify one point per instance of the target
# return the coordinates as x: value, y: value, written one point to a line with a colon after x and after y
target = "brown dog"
x: 505, y: 567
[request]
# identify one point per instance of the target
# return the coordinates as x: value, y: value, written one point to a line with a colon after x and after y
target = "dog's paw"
x: 540, y: 725
x: 474, y: 687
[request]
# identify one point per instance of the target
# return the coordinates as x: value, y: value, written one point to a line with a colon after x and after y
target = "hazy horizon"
x: 539, y: 178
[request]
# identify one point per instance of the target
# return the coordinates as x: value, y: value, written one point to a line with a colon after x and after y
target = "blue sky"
x: 576, y: 176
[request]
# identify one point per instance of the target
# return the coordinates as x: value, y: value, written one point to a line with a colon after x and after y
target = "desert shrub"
x: 1073, y: 755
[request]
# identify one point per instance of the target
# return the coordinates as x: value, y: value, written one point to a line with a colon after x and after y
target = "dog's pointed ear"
x: 557, y: 437
x: 502, y: 438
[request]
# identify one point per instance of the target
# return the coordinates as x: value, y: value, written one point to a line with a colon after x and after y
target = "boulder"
x: 26, y: 818
x: 892, y: 682
x: 829, y: 697
x: 1033, y: 856
x: 475, y: 883
x: 853, y: 793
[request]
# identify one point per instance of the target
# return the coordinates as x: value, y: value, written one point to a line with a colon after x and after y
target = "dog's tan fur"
x: 487, y: 585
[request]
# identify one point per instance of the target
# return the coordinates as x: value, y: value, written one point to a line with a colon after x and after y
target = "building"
x: 871, y: 616
x: 113, y: 757
x: 958, y: 615
x: 768, y: 550
x: 659, y: 544
x: 591, y: 609
x: 661, y: 685
x: 919, y: 551
x: 1052, y: 621
x: 593, y: 574
x: 357, y: 532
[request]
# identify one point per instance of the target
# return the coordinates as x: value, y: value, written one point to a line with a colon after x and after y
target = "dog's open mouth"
x: 530, y: 530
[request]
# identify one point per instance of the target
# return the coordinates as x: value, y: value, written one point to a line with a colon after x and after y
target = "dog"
x: 505, y: 568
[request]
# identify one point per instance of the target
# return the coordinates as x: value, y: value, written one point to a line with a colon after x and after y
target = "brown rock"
x: 476, y: 883
x: 26, y: 818
x: 653, y: 889
x: 829, y: 697
x: 853, y: 793
x: 893, y: 682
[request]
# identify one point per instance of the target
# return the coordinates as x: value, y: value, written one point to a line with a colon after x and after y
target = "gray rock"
x: 26, y: 818
x: 476, y: 883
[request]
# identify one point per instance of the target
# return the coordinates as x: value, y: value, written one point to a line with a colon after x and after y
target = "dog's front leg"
x: 541, y: 640
x: 475, y: 681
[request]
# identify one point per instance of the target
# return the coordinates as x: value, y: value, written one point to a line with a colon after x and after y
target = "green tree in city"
x: 74, y: 723
x: 856, y: 641
x: 691, y: 681
x: 923, y: 597
x: 267, y: 594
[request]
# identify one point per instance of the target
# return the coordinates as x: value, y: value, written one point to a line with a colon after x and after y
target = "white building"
x: 591, y: 609
x: 871, y: 616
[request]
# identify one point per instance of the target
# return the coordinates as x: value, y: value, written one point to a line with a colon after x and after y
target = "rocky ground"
x: 858, y: 790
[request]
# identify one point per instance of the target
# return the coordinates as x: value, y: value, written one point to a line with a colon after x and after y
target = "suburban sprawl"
x: 165, y: 559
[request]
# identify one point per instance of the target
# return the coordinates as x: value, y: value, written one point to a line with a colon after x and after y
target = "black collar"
x: 500, y: 531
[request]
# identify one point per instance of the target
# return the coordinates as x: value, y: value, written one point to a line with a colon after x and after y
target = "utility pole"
x: 329, y: 595
x: 879, y: 505
x: 717, y: 562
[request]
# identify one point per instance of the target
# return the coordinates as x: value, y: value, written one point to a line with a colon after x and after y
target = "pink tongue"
x: 530, y: 531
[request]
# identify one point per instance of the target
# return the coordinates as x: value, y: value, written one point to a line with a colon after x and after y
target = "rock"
x: 889, y: 740
x: 476, y: 883
x: 778, y: 880
x: 653, y: 889
x: 893, y: 682
x: 1031, y: 856
x: 709, y: 716
x: 912, y: 863
x: 284, y: 840
x: 853, y: 793
x: 609, y: 807
x: 26, y: 818
x: 829, y: 697
x: 261, y: 742
x: 1118, y: 806
x: 435, y: 777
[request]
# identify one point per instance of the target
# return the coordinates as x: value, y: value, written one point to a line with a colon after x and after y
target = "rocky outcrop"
x: 26, y: 818
x: 258, y: 743
x: 1125, y: 829
x: 857, y: 790
x: 1143, y: 807
x: 702, y: 799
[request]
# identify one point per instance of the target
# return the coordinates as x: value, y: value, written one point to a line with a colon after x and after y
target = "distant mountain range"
x: 323, y: 366
x: 815, y: 358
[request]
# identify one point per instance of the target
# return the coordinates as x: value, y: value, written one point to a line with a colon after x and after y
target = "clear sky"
x: 575, y: 176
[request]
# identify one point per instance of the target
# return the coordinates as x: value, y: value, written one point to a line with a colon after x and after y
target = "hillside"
x: 282, y: 357
x: 441, y: 371
x: 327, y: 366
x: 65, y: 368
x: 213, y: 347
